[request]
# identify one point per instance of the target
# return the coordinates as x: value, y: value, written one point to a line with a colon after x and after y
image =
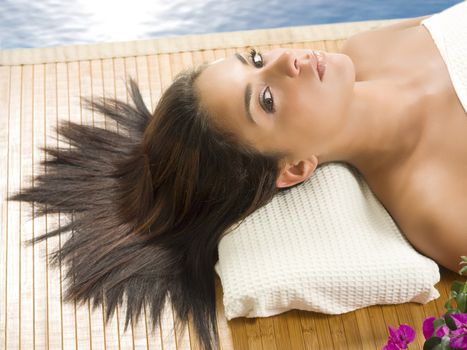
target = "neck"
x: 383, y: 126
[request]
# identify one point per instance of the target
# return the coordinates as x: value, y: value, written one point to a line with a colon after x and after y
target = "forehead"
x: 221, y: 88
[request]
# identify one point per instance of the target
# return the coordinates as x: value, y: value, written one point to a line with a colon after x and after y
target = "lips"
x: 320, y: 63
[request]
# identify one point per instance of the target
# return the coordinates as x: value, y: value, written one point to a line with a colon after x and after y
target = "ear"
x: 296, y: 172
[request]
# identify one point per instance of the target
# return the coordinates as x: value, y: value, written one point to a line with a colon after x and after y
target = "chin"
x: 350, y: 66
x: 340, y: 68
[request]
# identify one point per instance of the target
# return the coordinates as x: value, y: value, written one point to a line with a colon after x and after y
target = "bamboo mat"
x: 38, y: 87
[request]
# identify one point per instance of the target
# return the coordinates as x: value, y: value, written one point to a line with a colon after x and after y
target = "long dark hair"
x: 148, y: 206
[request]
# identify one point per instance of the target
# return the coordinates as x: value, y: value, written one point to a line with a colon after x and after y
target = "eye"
x: 266, y: 101
x: 257, y: 58
x: 265, y: 98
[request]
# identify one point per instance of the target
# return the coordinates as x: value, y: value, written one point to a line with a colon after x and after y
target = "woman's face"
x: 290, y: 109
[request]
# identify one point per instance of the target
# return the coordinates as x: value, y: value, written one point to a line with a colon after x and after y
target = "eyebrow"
x: 248, y: 92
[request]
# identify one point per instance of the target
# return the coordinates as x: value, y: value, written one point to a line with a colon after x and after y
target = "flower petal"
x: 390, y: 346
x: 459, y: 342
x: 442, y: 331
x: 393, y: 333
x: 458, y: 332
x: 459, y: 319
x: 428, y: 328
x: 409, y: 332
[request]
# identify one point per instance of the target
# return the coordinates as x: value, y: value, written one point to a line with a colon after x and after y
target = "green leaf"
x: 450, y: 312
x: 439, y: 322
x: 457, y: 286
x: 461, y: 300
x: 447, y: 304
x: 445, y: 343
x: 431, y: 343
x: 463, y: 270
x: 449, y: 321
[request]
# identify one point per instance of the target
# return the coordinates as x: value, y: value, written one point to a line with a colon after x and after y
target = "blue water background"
x: 27, y: 24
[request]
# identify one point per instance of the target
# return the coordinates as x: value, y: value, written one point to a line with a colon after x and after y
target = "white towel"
x: 449, y: 32
x: 327, y: 246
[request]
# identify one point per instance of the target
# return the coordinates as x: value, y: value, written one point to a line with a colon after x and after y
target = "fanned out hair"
x: 148, y: 206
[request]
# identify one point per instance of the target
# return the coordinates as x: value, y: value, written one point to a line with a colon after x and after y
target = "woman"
x: 149, y: 205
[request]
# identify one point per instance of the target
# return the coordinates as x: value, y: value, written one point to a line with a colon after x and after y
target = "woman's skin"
x: 337, y: 119
x: 386, y: 105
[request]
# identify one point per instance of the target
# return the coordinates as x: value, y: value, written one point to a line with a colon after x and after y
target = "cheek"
x: 312, y: 119
x: 311, y: 110
x: 306, y: 109
x: 299, y: 124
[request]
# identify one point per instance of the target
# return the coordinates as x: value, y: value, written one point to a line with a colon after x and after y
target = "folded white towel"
x: 449, y: 32
x: 327, y: 246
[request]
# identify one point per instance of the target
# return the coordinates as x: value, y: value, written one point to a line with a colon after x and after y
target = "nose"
x: 285, y: 63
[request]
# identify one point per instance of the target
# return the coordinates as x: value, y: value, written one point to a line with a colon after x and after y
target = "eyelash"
x: 268, y: 106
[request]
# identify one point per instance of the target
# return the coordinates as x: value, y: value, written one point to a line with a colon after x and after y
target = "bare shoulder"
x: 358, y: 42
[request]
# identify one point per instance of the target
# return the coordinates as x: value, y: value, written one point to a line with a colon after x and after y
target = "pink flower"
x: 458, y: 339
x: 459, y: 336
x: 442, y: 331
x: 390, y: 346
x: 428, y: 328
x: 460, y: 320
x: 401, y: 337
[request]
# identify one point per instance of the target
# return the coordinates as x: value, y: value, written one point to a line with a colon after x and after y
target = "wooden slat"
x: 365, y: 331
x: 268, y: 336
x: 337, y: 332
x: 126, y: 337
x: 282, y: 334
x: 70, y: 317
x: 309, y: 330
x: 54, y: 328
x: 112, y: 339
x: 141, y: 76
x: 381, y: 317
x: 26, y: 263
x: 351, y: 331
x: 5, y: 79
x: 13, y: 251
x: 96, y: 88
x: 40, y: 336
x: 63, y: 112
x: 150, y: 66
x: 253, y: 334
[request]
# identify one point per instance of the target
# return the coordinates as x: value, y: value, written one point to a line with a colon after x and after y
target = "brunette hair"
x: 149, y: 205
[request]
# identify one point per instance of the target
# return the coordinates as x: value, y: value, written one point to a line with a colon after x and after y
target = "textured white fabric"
x: 449, y: 32
x: 327, y: 246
